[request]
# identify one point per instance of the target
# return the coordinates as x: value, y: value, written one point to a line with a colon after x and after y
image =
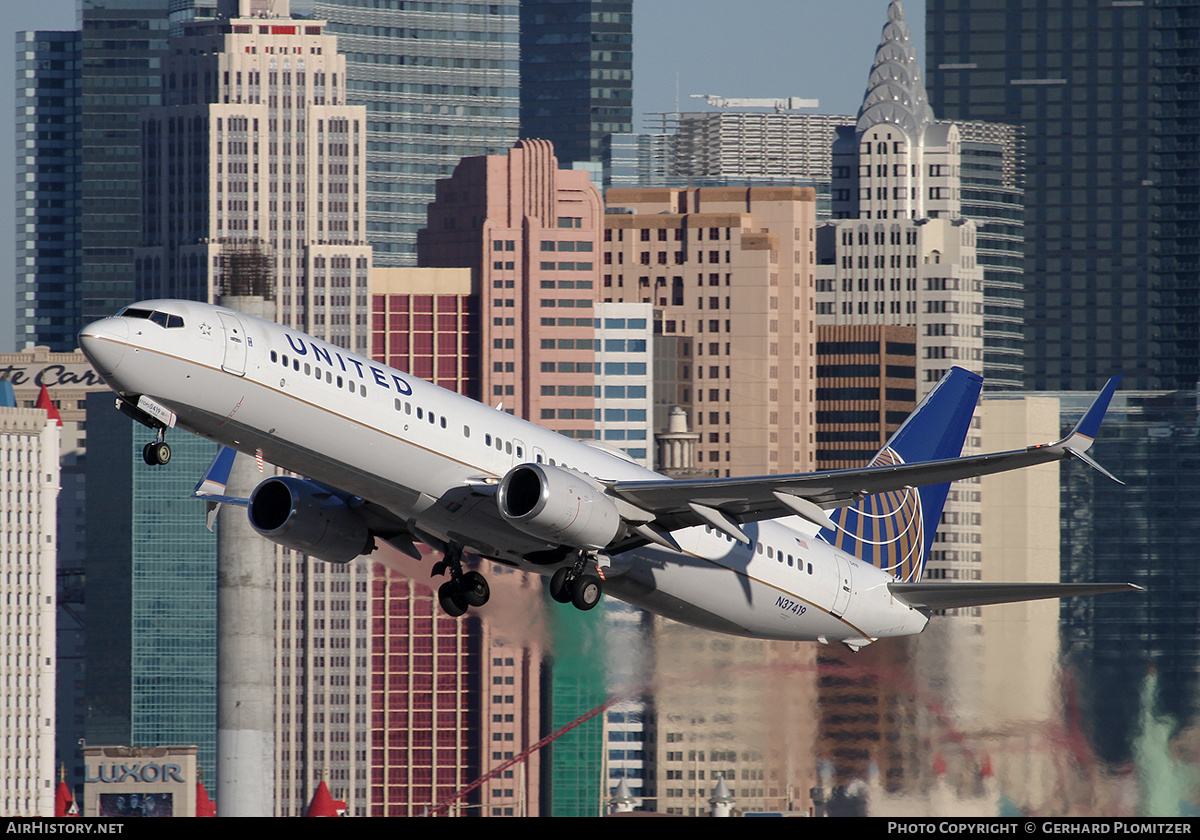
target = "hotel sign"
x: 52, y: 375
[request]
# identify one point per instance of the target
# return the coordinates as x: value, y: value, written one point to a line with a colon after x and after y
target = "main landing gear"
x: 464, y: 589
x: 576, y: 585
x: 157, y: 453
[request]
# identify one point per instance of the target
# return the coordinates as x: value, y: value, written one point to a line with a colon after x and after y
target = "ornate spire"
x: 896, y: 90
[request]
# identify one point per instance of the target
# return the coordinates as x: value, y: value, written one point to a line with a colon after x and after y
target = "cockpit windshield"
x: 163, y: 319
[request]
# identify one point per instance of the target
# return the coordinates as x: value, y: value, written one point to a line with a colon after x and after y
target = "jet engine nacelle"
x: 559, y: 506
x: 306, y: 517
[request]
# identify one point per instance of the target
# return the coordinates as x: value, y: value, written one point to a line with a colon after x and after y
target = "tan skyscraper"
x: 733, y: 268
x: 29, y: 446
x: 255, y: 151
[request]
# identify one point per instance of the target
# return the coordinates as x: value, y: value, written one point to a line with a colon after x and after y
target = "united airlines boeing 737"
x: 388, y: 457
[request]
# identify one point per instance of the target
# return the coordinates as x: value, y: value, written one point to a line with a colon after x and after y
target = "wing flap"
x: 948, y: 595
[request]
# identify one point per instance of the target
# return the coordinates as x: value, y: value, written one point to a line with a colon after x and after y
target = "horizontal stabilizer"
x: 948, y: 595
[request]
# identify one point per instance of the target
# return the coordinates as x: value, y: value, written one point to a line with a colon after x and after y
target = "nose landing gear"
x: 157, y: 453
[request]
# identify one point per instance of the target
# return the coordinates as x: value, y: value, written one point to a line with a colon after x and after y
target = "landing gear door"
x: 235, y: 344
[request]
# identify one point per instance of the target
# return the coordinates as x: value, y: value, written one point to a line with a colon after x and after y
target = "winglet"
x: 211, y: 487
x: 1085, y: 430
x: 217, y: 475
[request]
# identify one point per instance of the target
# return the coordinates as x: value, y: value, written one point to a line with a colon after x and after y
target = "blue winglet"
x: 216, y: 477
x: 1089, y: 425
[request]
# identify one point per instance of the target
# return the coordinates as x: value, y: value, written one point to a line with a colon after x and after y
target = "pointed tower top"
x: 896, y: 89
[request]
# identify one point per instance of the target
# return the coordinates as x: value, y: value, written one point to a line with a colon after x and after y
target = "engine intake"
x: 558, y: 506
x: 306, y: 517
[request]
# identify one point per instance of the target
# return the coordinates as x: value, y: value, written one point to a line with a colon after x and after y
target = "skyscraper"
x: 48, y: 192
x: 124, y: 44
x: 1107, y: 99
x: 29, y: 444
x: 576, y: 74
x: 1111, y: 268
x: 255, y: 161
x: 732, y: 268
x: 439, y: 82
x: 79, y: 171
x: 152, y: 599
x: 531, y: 232
x: 904, y: 254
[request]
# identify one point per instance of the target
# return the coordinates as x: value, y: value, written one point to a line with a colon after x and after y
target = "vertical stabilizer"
x: 895, y: 530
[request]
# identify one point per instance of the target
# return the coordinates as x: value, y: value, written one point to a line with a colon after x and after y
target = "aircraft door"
x: 235, y: 344
x: 841, y: 597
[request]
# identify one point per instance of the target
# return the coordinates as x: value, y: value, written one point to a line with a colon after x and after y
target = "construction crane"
x: 792, y: 103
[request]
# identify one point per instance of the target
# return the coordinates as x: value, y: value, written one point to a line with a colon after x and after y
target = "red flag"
x: 205, y: 807
x: 324, y: 805
x: 46, y: 403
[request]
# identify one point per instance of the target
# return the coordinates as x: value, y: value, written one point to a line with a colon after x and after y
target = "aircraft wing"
x: 947, y: 595
x: 689, y: 502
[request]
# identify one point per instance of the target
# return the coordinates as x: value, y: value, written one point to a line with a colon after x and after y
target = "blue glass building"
x: 151, y: 661
x: 576, y: 75
x: 1139, y: 532
x: 439, y: 81
x: 79, y: 174
x: 47, y: 208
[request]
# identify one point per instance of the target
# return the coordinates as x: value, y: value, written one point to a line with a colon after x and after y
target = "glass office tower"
x: 439, y: 81
x: 47, y: 207
x: 1107, y: 102
x: 1107, y: 97
x: 151, y: 659
x: 576, y: 74
x: 124, y: 42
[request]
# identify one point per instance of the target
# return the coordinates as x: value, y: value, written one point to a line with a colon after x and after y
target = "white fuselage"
x: 429, y: 456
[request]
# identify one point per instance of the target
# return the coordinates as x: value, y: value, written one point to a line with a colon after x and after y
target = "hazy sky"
x: 762, y: 49
x: 758, y: 49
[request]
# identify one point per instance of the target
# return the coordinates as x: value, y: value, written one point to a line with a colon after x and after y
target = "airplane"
x: 379, y: 455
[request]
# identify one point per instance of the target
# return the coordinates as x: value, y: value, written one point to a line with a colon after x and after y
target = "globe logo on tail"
x: 886, y: 530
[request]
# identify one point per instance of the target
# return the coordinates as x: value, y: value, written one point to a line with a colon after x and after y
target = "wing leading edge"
x: 674, y: 503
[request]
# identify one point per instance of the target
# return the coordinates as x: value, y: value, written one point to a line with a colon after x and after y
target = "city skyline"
x: 948, y: 264
x: 817, y: 40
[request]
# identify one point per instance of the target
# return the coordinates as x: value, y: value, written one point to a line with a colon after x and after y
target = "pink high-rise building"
x: 531, y: 233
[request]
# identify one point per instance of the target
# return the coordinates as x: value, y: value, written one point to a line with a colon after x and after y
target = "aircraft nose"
x: 104, y: 343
